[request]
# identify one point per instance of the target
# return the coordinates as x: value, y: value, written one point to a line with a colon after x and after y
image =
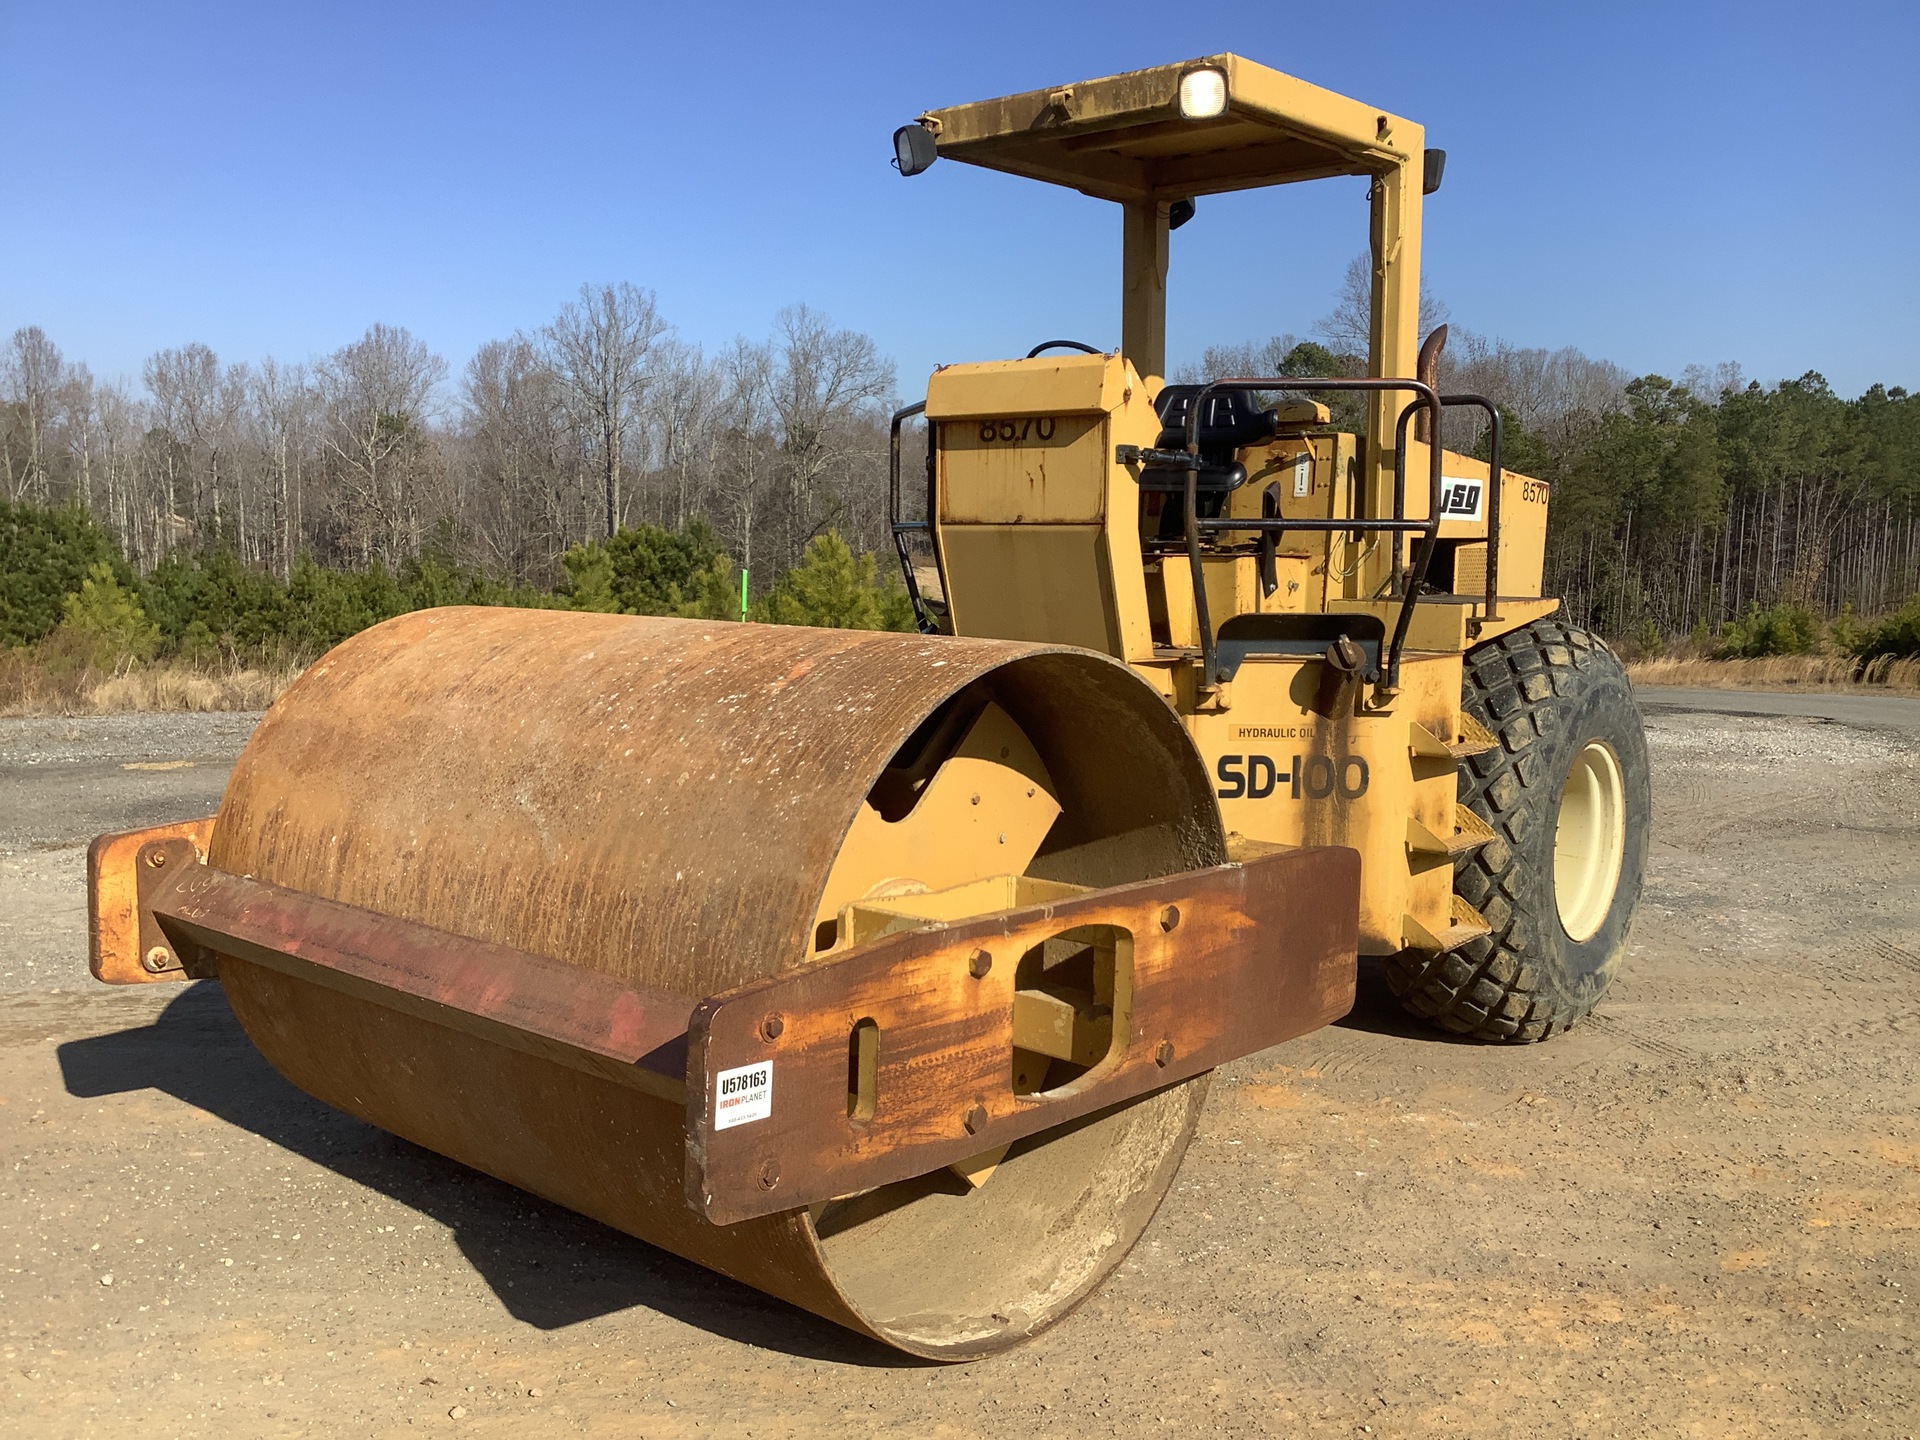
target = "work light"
x: 1203, y: 94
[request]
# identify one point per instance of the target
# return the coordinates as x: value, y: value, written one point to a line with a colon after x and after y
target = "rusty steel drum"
x: 663, y: 801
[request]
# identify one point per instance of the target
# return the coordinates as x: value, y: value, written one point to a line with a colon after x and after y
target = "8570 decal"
x: 1311, y: 777
x: 1013, y: 432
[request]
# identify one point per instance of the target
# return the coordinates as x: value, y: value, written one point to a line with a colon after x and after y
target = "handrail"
x: 1496, y: 431
x: 900, y: 529
x: 1424, y: 396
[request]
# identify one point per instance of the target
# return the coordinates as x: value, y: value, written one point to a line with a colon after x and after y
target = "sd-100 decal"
x: 1311, y: 777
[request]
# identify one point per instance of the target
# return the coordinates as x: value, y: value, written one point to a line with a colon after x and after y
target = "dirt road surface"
x: 1696, y: 1214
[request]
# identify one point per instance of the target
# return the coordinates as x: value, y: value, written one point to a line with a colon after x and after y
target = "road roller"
x: 1350, y: 625
x: 886, y: 972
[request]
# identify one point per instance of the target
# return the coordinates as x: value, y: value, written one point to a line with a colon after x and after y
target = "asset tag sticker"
x: 1462, y: 499
x: 1302, y: 475
x: 742, y: 1095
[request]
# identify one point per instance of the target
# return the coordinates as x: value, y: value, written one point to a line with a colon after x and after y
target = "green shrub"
x: 715, y: 592
x: 212, y: 604
x: 1784, y: 628
x: 1898, y: 634
x: 102, y: 624
x: 46, y: 554
x: 67, y: 590
x: 198, y: 643
x: 832, y: 587
x: 240, y: 608
x: 644, y: 570
x: 435, y: 579
x: 1648, y: 640
x: 1846, y: 634
x: 896, y: 606
x: 325, y: 606
x: 590, y: 579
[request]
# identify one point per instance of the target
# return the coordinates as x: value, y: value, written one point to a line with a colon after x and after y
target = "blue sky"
x: 1657, y: 184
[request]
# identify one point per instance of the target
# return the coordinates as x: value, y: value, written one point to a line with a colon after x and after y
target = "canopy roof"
x: 1123, y: 137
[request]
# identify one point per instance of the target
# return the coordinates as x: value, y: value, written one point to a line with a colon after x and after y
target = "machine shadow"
x: 547, y: 1265
x: 1378, y: 1012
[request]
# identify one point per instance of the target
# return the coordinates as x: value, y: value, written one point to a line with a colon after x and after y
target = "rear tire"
x: 1567, y: 795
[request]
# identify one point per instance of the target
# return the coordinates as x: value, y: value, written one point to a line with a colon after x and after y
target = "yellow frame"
x: 1122, y: 138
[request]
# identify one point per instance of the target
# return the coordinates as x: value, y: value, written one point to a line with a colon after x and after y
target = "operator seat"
x: 1232, y: 423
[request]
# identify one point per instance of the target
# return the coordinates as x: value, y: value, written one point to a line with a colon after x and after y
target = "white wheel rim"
x: 1589, y: 841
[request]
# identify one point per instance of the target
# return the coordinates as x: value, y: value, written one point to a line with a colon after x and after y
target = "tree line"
x: 599, y: 420
x: 1706, y: 506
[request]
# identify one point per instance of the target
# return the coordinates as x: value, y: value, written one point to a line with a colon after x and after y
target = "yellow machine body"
x: 1041, y: 530
x: 1040, y: 535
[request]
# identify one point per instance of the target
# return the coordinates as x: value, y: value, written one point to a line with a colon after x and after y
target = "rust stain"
x: 1263, y: 951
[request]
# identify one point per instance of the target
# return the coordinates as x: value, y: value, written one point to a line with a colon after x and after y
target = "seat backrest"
x: 1232, y: 421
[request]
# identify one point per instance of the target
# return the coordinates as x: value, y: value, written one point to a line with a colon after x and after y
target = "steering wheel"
x: 1063, y: 345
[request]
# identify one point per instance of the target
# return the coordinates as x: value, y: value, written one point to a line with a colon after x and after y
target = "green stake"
x: 743, y: 594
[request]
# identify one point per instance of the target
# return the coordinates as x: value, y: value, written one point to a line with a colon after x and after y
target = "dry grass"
x: 1779, y: 672
x: 168, y: 687
x: 31, y: 686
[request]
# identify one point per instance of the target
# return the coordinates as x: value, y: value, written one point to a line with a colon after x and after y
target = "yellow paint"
x: 1024, y: 468
x: 1047, y: 564
x: 1051, y: 384
x: 976, y: 1170
x: 984, y: 813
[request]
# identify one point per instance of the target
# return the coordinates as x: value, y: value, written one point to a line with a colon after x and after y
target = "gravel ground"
x: 65, y: 780
x: 1696, y: 1214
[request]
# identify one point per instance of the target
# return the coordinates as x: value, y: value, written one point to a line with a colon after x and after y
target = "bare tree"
x: 1713, y: 382
x: 685, y: 434
x: 825, y: 384
x: 280, y: 415
x: 1552, y: 393
x: 745, y: 466
x: 1348, y: 328
x: 376, y: 397
x: 599, y: 419
x: 121, y: 422
x: 1246, y: 358
x: 517, y: 443
x: 80, y: 427
x: 32, y: 372
x: 231, y: 512
x: 598, y: 346
x: 185, y: 385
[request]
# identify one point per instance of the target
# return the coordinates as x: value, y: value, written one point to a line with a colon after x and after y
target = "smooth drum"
x: 663, y: 801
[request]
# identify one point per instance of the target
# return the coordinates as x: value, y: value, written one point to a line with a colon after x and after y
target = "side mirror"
x: 1179, y: 213
x: 914, y: 149
x: 1433, y: 168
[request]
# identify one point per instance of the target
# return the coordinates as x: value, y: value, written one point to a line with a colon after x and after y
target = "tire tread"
x: 1486, y: 988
